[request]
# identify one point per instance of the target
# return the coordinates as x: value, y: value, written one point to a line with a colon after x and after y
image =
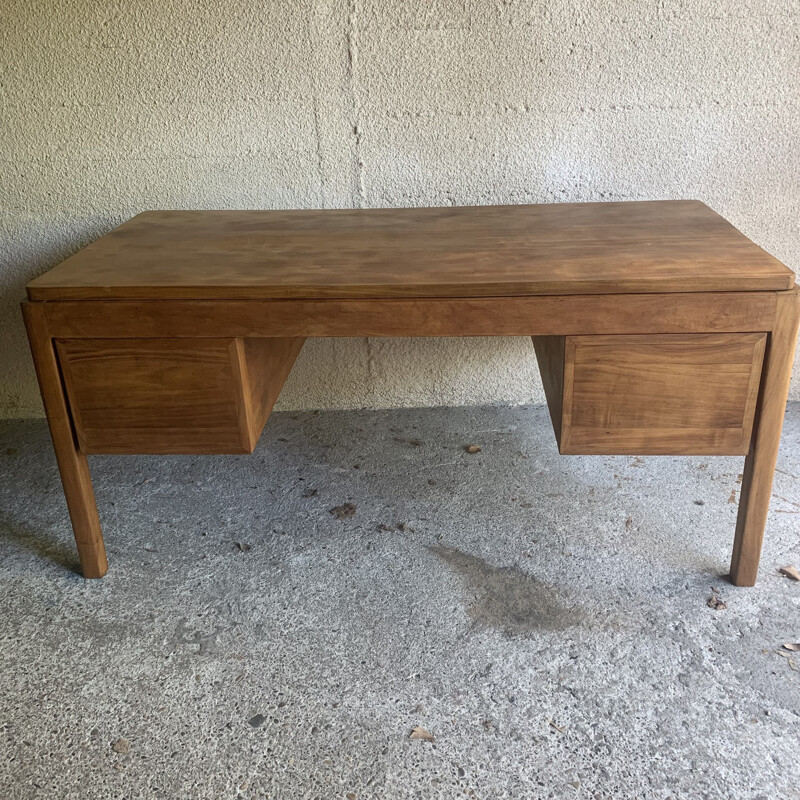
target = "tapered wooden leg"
x: 759, y: 467
x: 72, y: 465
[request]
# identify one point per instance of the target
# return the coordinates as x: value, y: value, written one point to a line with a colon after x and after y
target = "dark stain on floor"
x: 507, y: 598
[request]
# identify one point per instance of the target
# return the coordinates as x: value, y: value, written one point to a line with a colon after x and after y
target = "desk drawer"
x: 173, y: 395
x: 666, y: 394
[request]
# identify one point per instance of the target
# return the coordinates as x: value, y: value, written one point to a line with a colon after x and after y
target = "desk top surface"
x: 475, y: 251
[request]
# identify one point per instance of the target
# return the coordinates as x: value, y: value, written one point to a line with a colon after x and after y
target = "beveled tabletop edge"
x: 541, y: 261
x: 180, y: 297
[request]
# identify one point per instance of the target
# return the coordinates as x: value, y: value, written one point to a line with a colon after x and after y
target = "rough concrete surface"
x: 112, y: 108
x: 545, y: 618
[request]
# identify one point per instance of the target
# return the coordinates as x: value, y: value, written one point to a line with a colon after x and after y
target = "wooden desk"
x: 659, y: 328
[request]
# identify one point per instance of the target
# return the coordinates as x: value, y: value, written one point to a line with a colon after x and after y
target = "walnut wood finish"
x: 164, y: 396
x: 496, y: 316
x: 268, y: 363
x: 72, y: 464
x: 550, y: 356
x: 176, y: 332
x: 676, y: 394
x: 501, y: 251
x: 759, y: 466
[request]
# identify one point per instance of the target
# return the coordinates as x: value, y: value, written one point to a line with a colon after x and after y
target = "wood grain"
x: 579, y: 248
x: 268, y: 363
x: 497, y: 316
x: 759, y: 467
x: 660, y: 395
x: 550, y: 356
x: 165, y: 396
x: 72, y: 465
x: 177, y: 330
x: 153, y: 395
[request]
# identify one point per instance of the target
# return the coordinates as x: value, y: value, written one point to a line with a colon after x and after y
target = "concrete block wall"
x: 109, y: 108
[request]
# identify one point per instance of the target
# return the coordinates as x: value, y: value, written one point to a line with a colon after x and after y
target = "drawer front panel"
x: 660, y: 394
x: 155, y: 395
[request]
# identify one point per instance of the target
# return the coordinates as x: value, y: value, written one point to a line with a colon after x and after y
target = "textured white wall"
x: 113, y: 107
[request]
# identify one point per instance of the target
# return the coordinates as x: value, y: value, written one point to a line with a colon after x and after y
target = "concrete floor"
x: 544, y: 617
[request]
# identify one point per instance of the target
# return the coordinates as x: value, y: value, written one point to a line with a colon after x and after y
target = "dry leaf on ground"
x: 343, y: 511
x: 472, y: 448
x: 715, y: 601
x: 790, y: 572
x: 400, y: 526
x: 420, y: 733
x: 795, y: 648
x: 787, y: 654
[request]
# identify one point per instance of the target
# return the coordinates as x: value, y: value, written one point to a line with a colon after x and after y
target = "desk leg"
x: 759, y: 467
x: 72, y: 465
